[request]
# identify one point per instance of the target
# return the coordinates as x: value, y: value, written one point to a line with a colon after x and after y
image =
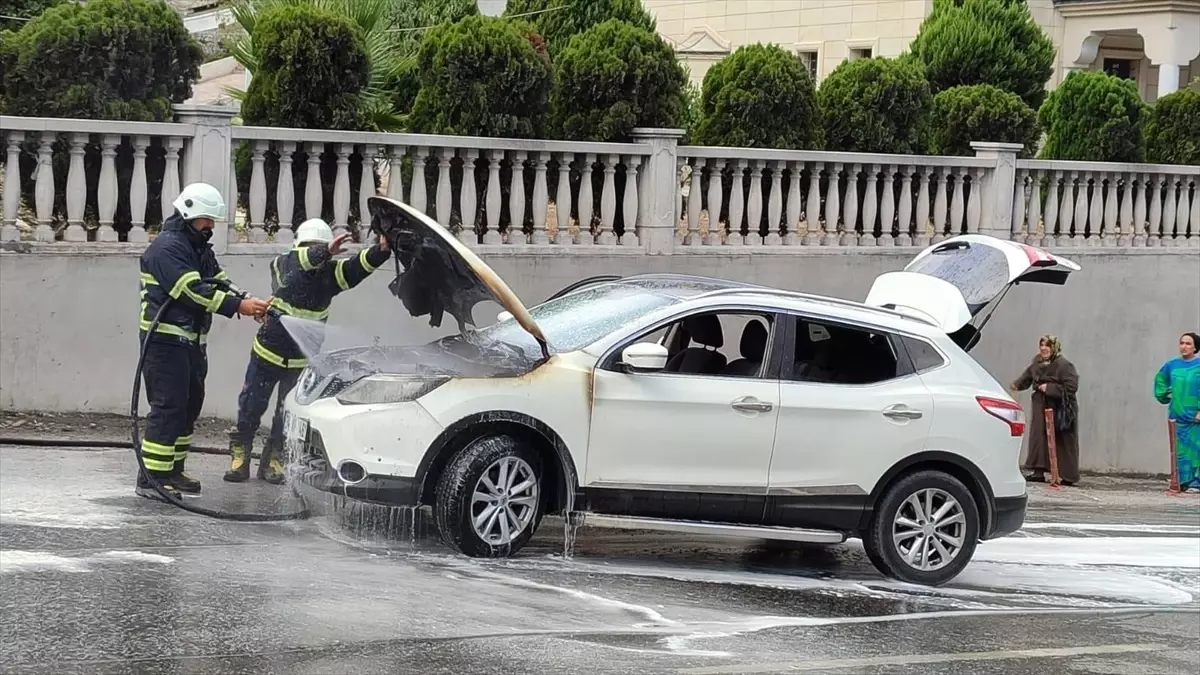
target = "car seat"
x: 753, y: 347
x: 705, y: 330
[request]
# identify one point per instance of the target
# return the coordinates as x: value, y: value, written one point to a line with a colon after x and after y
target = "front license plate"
x: 295, y: 434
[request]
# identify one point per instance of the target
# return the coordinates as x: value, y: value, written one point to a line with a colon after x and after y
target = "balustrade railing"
x: 802, y: 198
x: 1060, y: 203
x: 92, y: 181
x: 488, y: 190
x: 74, y: 176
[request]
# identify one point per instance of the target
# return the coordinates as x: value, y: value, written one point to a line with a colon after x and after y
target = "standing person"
x: 1177, y: 384
x: 174, y: 267
x: 304, y: 282
x: 1055, y: 383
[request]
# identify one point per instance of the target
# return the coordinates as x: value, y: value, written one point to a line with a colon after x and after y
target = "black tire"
x: 884, y: 552
x: 452, y: 510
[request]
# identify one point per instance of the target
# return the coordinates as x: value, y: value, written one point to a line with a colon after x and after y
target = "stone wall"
x: 68, y: 324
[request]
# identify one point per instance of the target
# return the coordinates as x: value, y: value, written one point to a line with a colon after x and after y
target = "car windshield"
x: 576, y: 320
x: 979, y: 272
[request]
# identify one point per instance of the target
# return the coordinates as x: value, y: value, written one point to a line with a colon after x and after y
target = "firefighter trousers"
x: 174, y: 373
x: 262, y: 378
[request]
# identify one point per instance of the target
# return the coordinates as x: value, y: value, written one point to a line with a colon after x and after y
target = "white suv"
x: 669, y: 402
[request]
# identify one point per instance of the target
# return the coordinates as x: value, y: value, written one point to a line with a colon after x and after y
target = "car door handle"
x: 751, y: 404
x: 901, y: 412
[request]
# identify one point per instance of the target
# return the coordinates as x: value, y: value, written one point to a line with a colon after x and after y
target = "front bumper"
x: 1008, y: 516
x: 389, y: 442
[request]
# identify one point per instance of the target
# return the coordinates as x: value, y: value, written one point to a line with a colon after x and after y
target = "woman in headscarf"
x: 1178, y: 385
x: 1055, y: 383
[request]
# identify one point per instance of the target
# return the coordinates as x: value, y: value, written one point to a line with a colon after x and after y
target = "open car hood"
x: 437, y: 274
x: 960, y: 281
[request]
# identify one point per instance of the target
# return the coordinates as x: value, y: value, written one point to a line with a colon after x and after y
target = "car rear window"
x: 979, y: 272
x: 924, y: 356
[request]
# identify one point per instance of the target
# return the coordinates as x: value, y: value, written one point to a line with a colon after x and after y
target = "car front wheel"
x: 489, y: 498
x: 924, y: 530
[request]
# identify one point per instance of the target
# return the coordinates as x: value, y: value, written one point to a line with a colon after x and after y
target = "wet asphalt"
x: 96, y: 580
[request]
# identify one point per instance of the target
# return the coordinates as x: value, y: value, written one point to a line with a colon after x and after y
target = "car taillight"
x: 1006, y: 411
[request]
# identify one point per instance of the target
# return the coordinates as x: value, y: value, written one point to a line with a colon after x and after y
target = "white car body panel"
x: 936, y: 299
x: 678, y: 431
x: 388, y: 439
x: 836, y: 436
x: 557, y: 393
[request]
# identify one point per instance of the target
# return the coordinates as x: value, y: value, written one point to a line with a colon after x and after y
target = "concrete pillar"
x: 1168, y: 79
x: 208, y: 158
x: 998, y: 187
x: 658, y: 189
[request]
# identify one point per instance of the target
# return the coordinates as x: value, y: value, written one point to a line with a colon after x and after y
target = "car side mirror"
x: 503, y: 316
x: 644, y: 357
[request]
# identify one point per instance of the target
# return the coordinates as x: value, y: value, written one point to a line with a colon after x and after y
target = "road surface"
x: 96, y: 580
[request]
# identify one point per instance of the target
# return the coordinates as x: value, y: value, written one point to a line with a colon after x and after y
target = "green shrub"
x: 693, y: 113
x: 105, y: 59
x: 560, y: 20
x: 1094, y: 117
x: 759, y: 96
x: 613, y: 77
x: 23, y: 9
x: 482, y: 76
x: 383, y: 48
x: 980, y: 113
x: 994, y: 42
x: 876, y: 105
x: 1172, y: 132
x: 311, y: 72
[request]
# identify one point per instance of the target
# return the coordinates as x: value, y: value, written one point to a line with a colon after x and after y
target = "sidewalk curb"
x: 98, y: 444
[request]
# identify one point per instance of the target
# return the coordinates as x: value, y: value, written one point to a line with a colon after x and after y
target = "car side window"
x: 832, y: 353
x: 722, y: 344
x: 924, y: 356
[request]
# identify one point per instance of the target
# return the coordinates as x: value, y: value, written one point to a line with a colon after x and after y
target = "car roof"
x: 710, y: 290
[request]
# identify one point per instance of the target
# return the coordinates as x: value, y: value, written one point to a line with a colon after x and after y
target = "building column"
x: 1168, y: 79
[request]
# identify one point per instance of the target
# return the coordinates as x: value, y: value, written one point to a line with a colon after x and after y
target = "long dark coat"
x: 1061, y: 380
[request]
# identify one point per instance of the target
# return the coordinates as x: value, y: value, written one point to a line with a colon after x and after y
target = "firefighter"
x: 304, y: 282
x: 176, y: 266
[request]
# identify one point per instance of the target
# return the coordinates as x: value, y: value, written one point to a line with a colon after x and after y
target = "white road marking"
x: 920, y: 659
x: 1113, y: 527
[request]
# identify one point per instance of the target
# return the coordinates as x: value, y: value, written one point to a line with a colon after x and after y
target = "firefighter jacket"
x: 304, y: 282
x: 174, y: 266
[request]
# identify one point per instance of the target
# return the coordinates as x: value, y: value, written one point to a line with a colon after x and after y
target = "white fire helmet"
x: 200, y: 200
x: 312, y: 231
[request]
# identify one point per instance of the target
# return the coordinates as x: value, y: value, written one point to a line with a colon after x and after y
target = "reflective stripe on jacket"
x: 304, y: 282
x: 174, y: 266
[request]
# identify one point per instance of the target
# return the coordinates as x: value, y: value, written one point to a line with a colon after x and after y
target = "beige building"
x: 1156, y: 43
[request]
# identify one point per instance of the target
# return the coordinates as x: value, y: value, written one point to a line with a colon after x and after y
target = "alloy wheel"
x: 505, y: 501
x: 929, y: 529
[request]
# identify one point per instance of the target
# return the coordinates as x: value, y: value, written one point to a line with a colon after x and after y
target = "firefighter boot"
x: 270, y: 465
x: 239, y: 468
x: 182, y: 481
x: 145, y: 488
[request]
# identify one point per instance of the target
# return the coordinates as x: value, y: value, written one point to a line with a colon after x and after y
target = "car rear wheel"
x: 489, y: 498
x: 924, y: 530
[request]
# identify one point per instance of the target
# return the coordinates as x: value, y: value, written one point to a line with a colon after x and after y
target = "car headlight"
x: 389, y: 389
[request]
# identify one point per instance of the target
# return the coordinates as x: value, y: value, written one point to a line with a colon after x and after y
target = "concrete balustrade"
x: 652, y: 195
x: 1096, y: 204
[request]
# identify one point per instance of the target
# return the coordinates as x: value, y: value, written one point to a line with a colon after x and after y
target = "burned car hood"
x: 436, y: 274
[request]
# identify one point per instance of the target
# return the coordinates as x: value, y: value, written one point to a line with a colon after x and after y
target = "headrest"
x: 754, y: 341
x: 705, y: 329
